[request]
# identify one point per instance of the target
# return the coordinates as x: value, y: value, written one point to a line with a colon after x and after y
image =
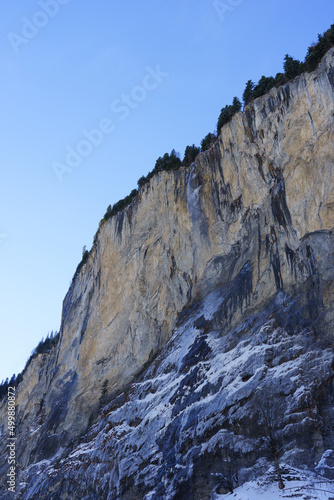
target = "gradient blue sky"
x: 65, y: 78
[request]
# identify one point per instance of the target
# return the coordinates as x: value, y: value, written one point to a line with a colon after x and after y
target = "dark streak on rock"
x: 236, y: 294
x: 259, y: 249
x: 249, y: 115
x: 172, y: 267
x: 119, y: 223
x: 236, y: 204
x: 98, y: 279
x: 84, y: 325
x: 286, y: 94
x: 279, y: 205
x: 290, y: 257
x: 275, y: 260
x: 259, y: 166
x: 267, y: 244
x: 199, y: 351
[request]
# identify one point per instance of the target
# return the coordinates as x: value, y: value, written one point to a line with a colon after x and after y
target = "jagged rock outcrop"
x: 226, y: 266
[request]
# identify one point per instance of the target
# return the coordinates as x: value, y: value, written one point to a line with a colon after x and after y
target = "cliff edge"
x: 202, y: 259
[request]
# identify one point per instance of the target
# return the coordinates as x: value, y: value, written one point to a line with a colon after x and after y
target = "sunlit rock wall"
x: 242, y: 214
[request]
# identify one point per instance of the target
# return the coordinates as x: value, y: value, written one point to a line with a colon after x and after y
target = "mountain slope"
x: 189, y: 418
x: 219, y: 276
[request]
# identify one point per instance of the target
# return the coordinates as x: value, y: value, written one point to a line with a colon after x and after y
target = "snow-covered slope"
x: 298, y: 484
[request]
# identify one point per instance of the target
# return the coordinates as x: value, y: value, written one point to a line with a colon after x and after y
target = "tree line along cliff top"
x: 171, y: 161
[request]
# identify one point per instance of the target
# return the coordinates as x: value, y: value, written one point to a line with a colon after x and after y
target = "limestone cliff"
x: 245, y: 231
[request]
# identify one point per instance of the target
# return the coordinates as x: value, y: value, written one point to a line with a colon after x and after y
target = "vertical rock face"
x: 252, y: 218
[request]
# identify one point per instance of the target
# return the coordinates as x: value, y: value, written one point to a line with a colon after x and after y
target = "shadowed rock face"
x: 196, y: 407
x: 226, y: 270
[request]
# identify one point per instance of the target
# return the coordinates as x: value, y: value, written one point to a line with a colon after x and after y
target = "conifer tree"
x: 291, y: 66
x: 248, y: 93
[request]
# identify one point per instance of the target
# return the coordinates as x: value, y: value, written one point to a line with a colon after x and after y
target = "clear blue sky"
x: 66, y: 66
